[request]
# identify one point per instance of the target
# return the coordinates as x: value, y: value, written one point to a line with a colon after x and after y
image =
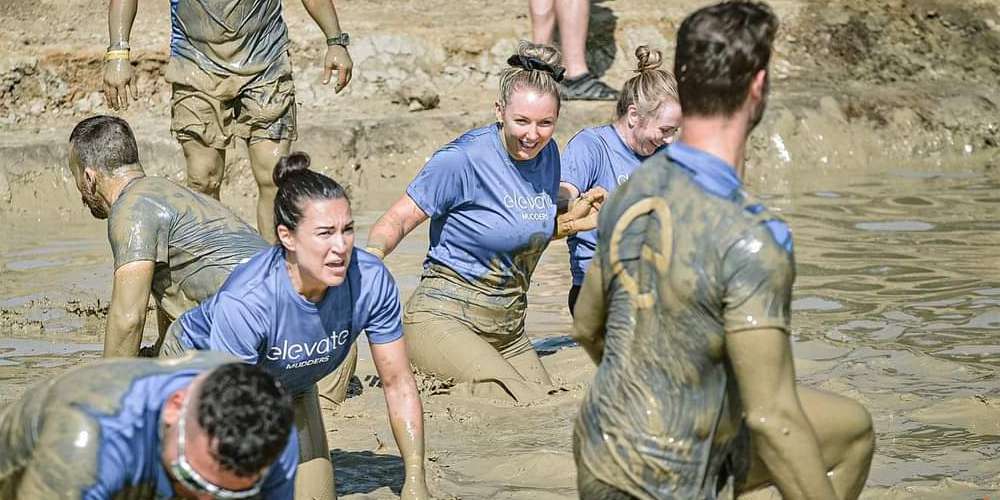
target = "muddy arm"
x: 580, y: 213
x: 401, y: 218
x: 121, y: 15
x: 590, y: 313
x: 406, y: 414
x: 337, y: 56
x: 783, y: 437
x: 119, y: 84
x: 127, y: 314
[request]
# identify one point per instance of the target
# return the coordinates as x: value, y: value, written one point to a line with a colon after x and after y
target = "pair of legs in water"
x: 843, y: 430
x: 456, y: 332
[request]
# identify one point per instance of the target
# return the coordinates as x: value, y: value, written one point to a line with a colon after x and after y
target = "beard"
x: 94, y: 203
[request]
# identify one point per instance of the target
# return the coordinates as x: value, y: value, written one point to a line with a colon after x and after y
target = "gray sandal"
x: 586, y: 87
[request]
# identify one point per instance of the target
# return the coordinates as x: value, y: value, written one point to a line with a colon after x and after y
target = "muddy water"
x: 897, y: 304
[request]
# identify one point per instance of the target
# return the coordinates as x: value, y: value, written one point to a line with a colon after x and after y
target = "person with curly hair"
x: 201, y: 426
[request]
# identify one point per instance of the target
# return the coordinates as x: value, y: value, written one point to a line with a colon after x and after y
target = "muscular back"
x: 682, y: 266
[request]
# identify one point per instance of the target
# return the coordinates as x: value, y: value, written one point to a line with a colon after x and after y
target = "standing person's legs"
x: 264, y: 155
x: 573, y: 17
x: 314, y: 477
x: 574, y: 293
x: 265, y: 117
x: 846, y: 440
x: 543, y: 20
x: 205, y: 167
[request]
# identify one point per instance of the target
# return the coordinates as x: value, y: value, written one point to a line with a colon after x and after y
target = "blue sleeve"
x: 237, y: 329
x: 582, y: 161
x: 280, y: 482
x: 381, y: 304
x: 445, y: 182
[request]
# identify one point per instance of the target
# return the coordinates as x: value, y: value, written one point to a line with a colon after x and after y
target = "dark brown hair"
x: 719, y: 50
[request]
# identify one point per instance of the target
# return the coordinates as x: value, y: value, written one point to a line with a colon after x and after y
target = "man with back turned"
x: 686, y: 309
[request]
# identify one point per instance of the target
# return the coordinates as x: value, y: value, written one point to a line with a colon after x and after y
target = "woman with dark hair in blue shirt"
x: 297, y: 308
x: 491, y: 196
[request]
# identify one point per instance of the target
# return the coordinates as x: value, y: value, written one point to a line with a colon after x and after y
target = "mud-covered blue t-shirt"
x: 94, y: 433
x: 491, y: 216
x: 594, y: 157
x: 259, y: 317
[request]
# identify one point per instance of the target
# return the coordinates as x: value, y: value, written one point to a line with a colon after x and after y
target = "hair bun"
x: 649, y: 60
x: 290, y: 165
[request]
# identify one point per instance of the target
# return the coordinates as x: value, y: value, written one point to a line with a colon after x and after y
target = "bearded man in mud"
x: 686, y: 309
x: 201, y: 427
x: 231, y: 77
x: 166, y: 239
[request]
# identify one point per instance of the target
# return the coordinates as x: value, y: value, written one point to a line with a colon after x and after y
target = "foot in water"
x: 586, y: 87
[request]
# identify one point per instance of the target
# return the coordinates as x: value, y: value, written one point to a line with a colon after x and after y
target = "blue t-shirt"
x: 491, y: 216
x: 260, y: 318
x: 94, y: 433
x: 594, y: 157
x: 130, y: 444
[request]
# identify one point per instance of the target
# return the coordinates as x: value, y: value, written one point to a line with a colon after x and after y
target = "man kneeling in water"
x: 166, y: 239
x: 686, y: 309
x: 200, y: 427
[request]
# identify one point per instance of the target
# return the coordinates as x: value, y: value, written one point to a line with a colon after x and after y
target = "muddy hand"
x: 587, y: 204
x: 415, y: 489
x: 119, y: 84
x: 337, y: 58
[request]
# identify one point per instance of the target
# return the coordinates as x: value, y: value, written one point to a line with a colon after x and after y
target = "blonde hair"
x: 515, y: 78
x: 650, y: 88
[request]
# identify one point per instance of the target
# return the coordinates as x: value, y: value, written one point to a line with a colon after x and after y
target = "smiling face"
x: 86, y: 183
x: 528, y: 120
x: 322, y: 242
x: 649, y: 133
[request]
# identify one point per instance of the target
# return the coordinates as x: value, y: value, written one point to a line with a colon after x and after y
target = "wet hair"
x: 104, y: 143
x: 535, y: 66
x: 649, y: 88
x: 248, y: 416
x: 297, y: 184
x: 719, y: 50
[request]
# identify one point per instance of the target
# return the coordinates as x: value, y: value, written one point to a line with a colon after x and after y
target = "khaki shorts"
x: 235, y: 107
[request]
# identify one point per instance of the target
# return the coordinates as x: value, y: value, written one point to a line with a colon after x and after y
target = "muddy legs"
x: 846, y: 439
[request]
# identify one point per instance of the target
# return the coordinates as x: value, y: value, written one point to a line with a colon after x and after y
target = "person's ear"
x: 90, y: 176
x: 172, y: 407
x: 498, y: 108
x: 286, y: 237
x: 632, y: 117
x: 758, y: 86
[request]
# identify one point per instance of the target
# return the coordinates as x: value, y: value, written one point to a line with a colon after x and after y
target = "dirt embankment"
x: 855, y: 84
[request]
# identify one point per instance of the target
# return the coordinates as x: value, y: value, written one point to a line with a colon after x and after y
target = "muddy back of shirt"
x: 194, y: 240
x: 93, y: 433
x: 491, y: 216
x: 594, y: 157
x: 229, y: 37
x: 687, y: 258
x: 260, y: 318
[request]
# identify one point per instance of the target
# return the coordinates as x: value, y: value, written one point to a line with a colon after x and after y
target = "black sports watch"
x: 343, y: 39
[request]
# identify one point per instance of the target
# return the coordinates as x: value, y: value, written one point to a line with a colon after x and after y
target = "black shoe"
x: 586, y: 87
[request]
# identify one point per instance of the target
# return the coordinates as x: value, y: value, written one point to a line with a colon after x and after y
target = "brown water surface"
x: 897, y: 304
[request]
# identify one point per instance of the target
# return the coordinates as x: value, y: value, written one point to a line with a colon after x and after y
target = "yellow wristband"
x: 119, y: 54
x: 376, y: 252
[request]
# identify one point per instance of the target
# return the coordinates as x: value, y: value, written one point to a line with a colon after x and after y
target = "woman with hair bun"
x: 491, y: 197
x: 297, y: 308
x: 646, y: 120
